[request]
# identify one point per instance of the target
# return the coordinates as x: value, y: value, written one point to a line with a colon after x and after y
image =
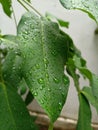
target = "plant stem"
x: 50, y: 126
x: 1, y: 79
x: 14, y: 17
x: 23, y: 5
x: 26, y: 2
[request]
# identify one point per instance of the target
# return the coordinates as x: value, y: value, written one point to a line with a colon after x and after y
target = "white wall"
x: 81, y: 29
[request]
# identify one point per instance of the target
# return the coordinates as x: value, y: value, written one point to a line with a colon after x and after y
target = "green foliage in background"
x: 35, y: 59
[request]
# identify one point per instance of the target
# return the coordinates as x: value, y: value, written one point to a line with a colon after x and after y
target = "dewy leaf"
x: 43, y: 49
x: 13, y: 112
x: 88, y: 6
x: 6, y: 4
x: 84, y: 119
x: 87, y: 92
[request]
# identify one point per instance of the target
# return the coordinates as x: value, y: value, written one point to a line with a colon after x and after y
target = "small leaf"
x: 93, y: 79
x: 88, y: 6
x: 13, y: 112
x: 6, y: 4
x: 61, y: 22
x: 84, y: 119
x: 87, y: 92
x: 94, y: 84
x: 43, y: 49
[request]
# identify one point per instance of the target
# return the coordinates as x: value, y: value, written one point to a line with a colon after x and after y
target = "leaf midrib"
x: 43, y: 49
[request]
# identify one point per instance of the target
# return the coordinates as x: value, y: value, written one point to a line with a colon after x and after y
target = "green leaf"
x: 6, y: 4
x: 93, y: 79
x: 94, y: 84
x: 43, y: 49
x: 61, y: 22
x: 84, y: 119
x: 12, y: 63
x: 87, y: 92
x: 29, y: 0
x: 88, y: 6
x: 13, y: 112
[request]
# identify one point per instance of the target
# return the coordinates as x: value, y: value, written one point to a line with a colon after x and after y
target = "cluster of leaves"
x: 35, y: 59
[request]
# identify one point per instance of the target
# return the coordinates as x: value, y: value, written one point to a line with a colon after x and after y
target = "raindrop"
x: 35, y: 94
x: 47, y: 75
x: 49, y: 89
x: 42, y: 102
x: 25, y: 37
x: 65, y: 80
x: 37, y: 66
x: 30, y: 72
x: 54, y: 52
x: 14, y: 68
x: 41, y: 81
x: 60, y: 106
x: 25, y: 23
x: 41, y: 88
x: 60, y: 88
x: 32, y: 90
x: 56, y: 80
x: 24, y: 56
x: 63, y: 94
x: 46, y: 62
x: 19, y: 67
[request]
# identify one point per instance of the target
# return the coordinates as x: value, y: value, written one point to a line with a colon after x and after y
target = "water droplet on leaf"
x: 42, y: 102
x: 41, y: 88
x: 49, y: 89
x: 65, y: 80
x: 54, y: 52
x: 41, y: 81
x: 60, y: 106
x: 35, y: 94
x: 56, y: 80
x: 47, y: 75
x: 37, y: 66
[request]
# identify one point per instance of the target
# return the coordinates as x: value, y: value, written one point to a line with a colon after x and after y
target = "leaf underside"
x: 88, y: 6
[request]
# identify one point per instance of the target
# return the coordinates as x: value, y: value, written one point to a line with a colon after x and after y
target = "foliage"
x: 35, y: 59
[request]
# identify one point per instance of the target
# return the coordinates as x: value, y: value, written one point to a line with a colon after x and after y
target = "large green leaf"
x: 13, y: 112
x: 43, y: 49
x: 39, y: 56
x: 87, y: 92
x: 88, y: 6
x: 84, y: 120
x: 6, y: 4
